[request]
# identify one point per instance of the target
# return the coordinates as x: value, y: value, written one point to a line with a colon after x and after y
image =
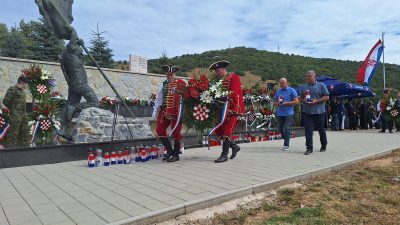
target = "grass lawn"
x: 365, y: 193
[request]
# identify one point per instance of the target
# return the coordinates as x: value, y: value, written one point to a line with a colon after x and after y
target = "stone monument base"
x: 96, y: 125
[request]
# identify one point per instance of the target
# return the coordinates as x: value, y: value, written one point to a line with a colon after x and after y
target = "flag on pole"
x: 367, y: 69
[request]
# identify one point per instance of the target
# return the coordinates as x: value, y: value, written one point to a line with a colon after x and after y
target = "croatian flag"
x: 367, y: 69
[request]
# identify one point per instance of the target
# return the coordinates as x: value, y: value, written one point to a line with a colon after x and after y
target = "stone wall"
x: 136, y: 85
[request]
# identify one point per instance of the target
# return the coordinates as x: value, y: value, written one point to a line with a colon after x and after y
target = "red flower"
x: 192, y: 82
x: 187, y: 95
x: 5, y: 110
x: 194, y: 93
x: 203, y: 78
x: 264, y: 90
x: 247, y: 91
x: 35, y: 109
x: 203, y: 85
x: 55, y: 94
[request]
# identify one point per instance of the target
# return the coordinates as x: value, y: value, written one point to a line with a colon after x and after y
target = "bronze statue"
x: 58, y: 15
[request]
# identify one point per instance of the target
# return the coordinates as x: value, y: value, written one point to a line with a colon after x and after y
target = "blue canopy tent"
x: 342, y: 89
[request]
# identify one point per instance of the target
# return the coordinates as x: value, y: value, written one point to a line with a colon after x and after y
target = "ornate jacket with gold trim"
x: 231, y: 82
x: 168, y: 99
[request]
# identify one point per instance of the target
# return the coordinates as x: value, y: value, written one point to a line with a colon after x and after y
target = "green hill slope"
x: 273, y: 65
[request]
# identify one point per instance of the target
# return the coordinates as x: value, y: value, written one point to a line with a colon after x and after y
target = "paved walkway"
x: 71, y: 193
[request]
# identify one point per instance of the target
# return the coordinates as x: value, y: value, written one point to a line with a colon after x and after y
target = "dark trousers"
x: 352, y: 121
x: 363, y: 122
x: 386, y: 123
x: 335, y: 122
x: 285, y: 125
x: 314, y: 122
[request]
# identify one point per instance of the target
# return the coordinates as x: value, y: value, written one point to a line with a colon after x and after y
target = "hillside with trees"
x: 273, y: 65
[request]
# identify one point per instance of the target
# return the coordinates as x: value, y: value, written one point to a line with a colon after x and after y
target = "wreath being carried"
x: 201, y: 98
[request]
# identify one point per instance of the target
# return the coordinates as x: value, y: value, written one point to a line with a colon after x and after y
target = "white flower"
x: 194, y: 114
x: 197, y: 117
x: 57, y: 124
x: 45, y: 75
x: 388, y: 108
x: 205, y: 97
x: 196, y: 108
x: 214, y: 88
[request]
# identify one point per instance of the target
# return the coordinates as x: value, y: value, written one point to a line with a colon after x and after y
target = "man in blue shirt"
x: 313, y: 97
x: 285, y: 99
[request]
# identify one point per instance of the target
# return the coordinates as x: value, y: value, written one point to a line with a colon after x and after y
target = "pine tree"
x: 44, y: 44
x: 15, y: 45
x: 100, y: 50
x: 3, y: 34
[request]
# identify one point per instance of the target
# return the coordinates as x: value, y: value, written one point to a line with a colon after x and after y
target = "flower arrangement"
x: 46, y: 110
x: 199, y: 97
x: 257, y: 99
x: 40, y: 81
x: 392, y: 111
x: 4, y: 122
x: 107, y: 102
x: 258, y: 104
x: 44, y: 123
x: 4, y: 117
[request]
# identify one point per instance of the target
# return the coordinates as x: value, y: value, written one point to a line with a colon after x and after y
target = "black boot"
x: 235, y: 149
x: 175, y: 155
x: 225, y: 151
x: 309, y: 151
x: 168, y: 146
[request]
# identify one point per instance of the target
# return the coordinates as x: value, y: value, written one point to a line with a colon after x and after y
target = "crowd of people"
x: 355, y: 114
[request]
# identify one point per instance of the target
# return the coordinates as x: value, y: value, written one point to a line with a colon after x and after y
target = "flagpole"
x: 383, y: 61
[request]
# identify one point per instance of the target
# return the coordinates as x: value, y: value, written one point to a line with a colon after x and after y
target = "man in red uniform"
x: 168, y: 111
x: 231, y: 83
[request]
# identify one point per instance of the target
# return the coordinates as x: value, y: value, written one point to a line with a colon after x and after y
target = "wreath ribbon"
x: 4, y: 130
x: 223, y: 118
x: 178, y: 120
x: 35, y: 129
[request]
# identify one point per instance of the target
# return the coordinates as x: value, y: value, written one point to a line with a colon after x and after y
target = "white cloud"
x: 321, y: 28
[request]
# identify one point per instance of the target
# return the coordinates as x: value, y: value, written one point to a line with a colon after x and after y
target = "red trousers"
x: 163, y: 122
x: 227, y: 128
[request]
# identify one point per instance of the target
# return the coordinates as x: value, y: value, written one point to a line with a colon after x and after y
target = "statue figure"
x: 58, y: 15
x: 78, y: 87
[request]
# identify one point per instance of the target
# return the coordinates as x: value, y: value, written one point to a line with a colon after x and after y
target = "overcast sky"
x: 340, y: 29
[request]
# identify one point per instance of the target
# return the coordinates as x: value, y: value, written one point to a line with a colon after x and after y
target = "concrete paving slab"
x: 144, y: 193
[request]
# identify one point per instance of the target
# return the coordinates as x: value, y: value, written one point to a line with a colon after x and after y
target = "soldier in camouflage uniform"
x: 15, y: 101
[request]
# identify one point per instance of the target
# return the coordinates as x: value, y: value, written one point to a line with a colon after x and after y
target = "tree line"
x: 274, y: 65
x: 35, y: 40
